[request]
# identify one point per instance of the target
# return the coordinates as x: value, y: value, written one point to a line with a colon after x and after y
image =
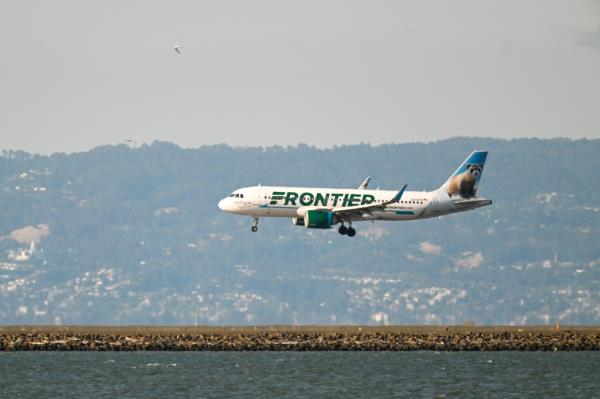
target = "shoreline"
x: 299, y: 338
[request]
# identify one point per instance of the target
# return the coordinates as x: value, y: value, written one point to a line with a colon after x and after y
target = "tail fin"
x: 464, y: 180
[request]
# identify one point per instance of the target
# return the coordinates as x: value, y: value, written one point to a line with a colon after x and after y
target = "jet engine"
x: 318, y: 219
x: 298, y: 221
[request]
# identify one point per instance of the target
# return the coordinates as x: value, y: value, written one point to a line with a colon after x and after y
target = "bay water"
x: 299, y: 374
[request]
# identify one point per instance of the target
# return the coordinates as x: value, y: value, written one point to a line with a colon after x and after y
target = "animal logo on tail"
x: 465, y: 183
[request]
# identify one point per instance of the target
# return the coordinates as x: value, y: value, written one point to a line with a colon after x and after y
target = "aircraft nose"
x: 225, y: 205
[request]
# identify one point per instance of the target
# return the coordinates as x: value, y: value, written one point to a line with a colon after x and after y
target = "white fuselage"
x: 277, y: 201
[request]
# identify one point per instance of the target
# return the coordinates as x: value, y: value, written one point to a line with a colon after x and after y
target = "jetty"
x: 299, y: 338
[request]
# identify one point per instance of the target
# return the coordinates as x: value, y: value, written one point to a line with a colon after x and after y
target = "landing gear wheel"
x: 343, y: 230
x: 254, y: 227
x: 351, y: 232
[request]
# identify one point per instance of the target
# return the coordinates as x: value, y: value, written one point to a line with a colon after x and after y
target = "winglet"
x: 399, y: 194
x: 365, y: 183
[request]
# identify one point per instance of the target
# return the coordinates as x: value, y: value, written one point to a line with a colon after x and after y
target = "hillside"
x: 121, y: 235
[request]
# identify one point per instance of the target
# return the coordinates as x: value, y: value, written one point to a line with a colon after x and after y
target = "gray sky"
x: 77, y: 74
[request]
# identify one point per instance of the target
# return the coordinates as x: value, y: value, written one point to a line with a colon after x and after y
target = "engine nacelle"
x: 318, y: 219
x: 298, y: 221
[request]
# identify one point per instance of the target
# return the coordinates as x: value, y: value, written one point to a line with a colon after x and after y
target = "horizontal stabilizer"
x: 474, y: 202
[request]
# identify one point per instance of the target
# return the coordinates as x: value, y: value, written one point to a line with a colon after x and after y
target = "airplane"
x: 323, y: 208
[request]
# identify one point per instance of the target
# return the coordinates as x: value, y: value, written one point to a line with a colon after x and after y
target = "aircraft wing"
x: 360, y: 210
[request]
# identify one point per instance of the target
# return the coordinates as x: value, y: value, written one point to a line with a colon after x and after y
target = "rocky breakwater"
x: 347, y: 339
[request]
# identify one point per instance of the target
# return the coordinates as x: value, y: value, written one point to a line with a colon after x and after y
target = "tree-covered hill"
x: 133, y: 235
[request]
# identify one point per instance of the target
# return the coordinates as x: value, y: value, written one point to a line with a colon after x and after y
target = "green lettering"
x: 345, y: 203
x: 291, y: 198
x: 323, y: 199
x: 306, y: 199
x: 335, y: 198
x: 354, y: 199
x: 276, y: 196
x: 367, y: 199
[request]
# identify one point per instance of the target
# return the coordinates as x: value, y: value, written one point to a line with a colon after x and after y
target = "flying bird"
x: 177, y: 48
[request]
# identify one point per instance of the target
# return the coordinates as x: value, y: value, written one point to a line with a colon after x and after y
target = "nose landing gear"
x: 254, y: 227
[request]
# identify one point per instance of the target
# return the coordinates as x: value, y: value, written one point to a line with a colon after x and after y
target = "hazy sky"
x: 77, y: 74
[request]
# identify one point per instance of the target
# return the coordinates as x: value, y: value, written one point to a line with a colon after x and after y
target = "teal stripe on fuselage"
x: 405, y: 213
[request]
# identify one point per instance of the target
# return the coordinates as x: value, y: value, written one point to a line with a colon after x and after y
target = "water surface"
x: 304, y: 374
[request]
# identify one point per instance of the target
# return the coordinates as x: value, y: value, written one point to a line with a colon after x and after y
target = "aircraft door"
x: 257, y: 198
x: 435, y: 206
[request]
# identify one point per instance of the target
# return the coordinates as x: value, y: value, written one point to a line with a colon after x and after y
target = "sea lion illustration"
x: 464, y: 183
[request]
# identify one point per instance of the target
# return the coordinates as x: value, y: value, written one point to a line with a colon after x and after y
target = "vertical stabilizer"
x: 463, y: 182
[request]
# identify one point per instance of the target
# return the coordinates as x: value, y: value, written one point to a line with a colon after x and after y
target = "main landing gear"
x: 349, y: 231
x: 254, y: 227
